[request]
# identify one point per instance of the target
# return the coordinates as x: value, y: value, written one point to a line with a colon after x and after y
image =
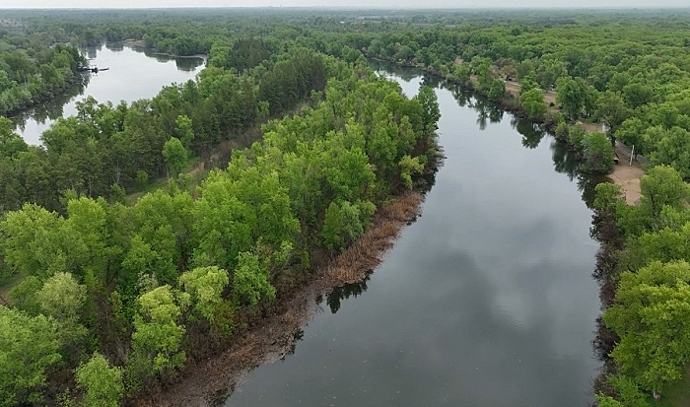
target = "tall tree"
x: 175, y: 156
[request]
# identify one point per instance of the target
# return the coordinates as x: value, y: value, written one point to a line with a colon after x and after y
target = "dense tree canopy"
x: 120, y: 291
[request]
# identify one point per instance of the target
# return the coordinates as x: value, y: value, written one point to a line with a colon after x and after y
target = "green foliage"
x: 673, y: 148
x: 175, y: 156
x: 533, y: 103
x: 184, y: 131
x: 609, y: 197
x: 28, y: 349
x: 11, y: 144
x: 62, y: 297
x: 408, y: 167
x: 332, y: 227
x: 608, y: 401
x: 26, y: 81
x: 649, y: 315
x: 631, y: 132
x: 430, y: 109
x: 497, y: 89
x: 251, y: 281
x: 157, y: 337
x: 598, y: 153
x: 205, y: 286
x: 662, y: 186
x: 612, y: 111
x: 576, y: 137
x: 133, y: 274
x: 101, y: 383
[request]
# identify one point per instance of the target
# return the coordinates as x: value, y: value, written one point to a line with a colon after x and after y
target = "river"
x: 486, y: 300
x: 132, y: 75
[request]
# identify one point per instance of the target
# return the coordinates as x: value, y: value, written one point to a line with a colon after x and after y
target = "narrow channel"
x: 486, y: 300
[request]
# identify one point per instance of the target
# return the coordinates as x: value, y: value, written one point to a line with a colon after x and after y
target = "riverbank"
x: 46, y: 98
x: 213, y: 380
x: 624, y: 173
x: 132, y: 43
x: 628, y: 177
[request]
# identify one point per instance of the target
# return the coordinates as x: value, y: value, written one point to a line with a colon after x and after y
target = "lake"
x: 486, y: 300
x: 132, y: 75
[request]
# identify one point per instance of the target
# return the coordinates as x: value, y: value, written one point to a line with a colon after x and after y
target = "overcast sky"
x: 347, y: 3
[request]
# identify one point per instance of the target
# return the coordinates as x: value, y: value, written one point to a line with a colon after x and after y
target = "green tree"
x: 157, y: 337
x: 205, y: 286
x: 101, y: 383
x: 631, y: 132
x: 673, y: 149
x: 575, y: 95
x: 497, y: 90
x: 408, y: 167
x: 62, y: 297
x: 598, y: 153
x: 430, y: 109
x: 28, y: 349
x: 650, y: 316
x: 637, y: 94
x: 612, y: 111
x: 250, y: 283
x: 662, y: 186
x: 533, y: 103
x: 175, y: 156
x: 332, y: 227
x: 11, y: 143
x: 184, y: 130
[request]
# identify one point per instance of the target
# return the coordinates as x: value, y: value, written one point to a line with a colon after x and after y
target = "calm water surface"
x: 133, y: 75
x: 486, y: 300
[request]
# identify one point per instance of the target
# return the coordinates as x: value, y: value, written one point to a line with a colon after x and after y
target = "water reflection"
x: 186, y: 63
x: 132, y: 75
x: 115, y: 46
x: 296, y: 337
x: 349, y: 290
x: 532, y: 134
x: 53, y: 109
x: 404, y: 73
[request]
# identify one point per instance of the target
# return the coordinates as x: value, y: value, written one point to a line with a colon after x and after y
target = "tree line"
x: 644, y: 271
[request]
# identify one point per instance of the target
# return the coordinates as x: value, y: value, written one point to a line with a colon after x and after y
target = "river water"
x: 132, y: 75
x: 485, y: 301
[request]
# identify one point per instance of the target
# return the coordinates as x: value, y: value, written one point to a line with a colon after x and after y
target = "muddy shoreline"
x: 212, y: 381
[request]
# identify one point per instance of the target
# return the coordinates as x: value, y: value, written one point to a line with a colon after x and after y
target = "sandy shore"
x: 628, y: 177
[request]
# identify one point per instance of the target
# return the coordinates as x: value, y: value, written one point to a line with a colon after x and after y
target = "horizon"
x: 356, y: 8
x: 407, y: 5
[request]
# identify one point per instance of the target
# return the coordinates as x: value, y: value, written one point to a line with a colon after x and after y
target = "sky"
x: 343, y: 3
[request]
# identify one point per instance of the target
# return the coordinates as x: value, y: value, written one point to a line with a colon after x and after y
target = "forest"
x: 123, y: 292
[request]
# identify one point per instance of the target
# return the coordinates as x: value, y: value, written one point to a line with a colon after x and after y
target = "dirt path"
x: 211, y: 382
